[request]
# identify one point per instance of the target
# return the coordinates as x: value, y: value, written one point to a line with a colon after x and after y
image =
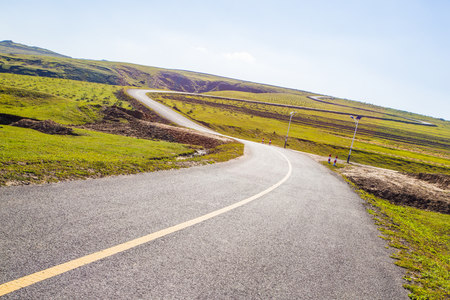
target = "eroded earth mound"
x: 47, y: 126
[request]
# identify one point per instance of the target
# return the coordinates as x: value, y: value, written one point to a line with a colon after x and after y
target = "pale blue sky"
x: 390, y: 53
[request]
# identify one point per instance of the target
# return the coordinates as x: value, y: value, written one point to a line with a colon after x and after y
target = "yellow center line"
x: 17, y: 284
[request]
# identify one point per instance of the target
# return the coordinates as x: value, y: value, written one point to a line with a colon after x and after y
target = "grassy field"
x: 389, y: 144
x: 63, y: 101
x: 28, y: 156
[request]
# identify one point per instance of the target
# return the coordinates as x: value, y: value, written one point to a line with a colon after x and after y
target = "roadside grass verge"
x: 331, y: 166
x: 223, y: 153
x: 28, y: 156
x: 422, y: 240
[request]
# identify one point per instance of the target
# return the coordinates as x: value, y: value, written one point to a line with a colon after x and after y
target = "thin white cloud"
x: 201, y: 49
x: 244, y: 56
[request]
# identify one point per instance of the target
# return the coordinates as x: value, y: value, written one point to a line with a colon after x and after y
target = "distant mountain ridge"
x: 10, y: 47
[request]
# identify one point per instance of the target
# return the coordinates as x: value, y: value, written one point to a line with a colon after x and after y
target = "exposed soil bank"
x: 424, y: 191
x: 47, y: 126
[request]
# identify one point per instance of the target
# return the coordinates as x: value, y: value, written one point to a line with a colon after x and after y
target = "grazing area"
x: 63, y: 101
x: 28, y: 156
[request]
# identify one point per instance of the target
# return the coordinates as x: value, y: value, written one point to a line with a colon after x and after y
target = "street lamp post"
x: 356, y: 128
x: 285, y: 141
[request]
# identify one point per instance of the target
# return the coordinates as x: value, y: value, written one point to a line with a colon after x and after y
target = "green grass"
x: 331, y: 165
x: 393, y: 145
x: 422, y: 240
x: 30, y: 156
x: 63, y: 101
x: 342, y: 105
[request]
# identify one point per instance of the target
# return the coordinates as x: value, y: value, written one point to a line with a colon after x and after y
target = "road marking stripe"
x: 17, y: 284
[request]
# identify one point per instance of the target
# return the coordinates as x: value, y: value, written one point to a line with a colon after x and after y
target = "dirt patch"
x: 47, y: 126
x: 440, y: 180
x: 424, y: 191
x: 7, y: 119
x: 136, y: 124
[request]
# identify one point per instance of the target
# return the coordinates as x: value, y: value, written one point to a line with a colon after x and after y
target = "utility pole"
x: 285, y: 141
x: 356, y: 128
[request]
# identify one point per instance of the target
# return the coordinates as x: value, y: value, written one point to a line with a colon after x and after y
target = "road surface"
x: 272, y: 224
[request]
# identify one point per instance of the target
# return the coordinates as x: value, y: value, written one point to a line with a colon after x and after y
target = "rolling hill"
x: 14, y: 48
x: 25, y: 60
x: 42, y: 85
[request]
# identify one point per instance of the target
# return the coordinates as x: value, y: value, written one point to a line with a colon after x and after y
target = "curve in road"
x: 308, y: 238
x: 17, y: 284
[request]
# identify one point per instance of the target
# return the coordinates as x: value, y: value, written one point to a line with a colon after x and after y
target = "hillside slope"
x: 127, y: 74
x: 10, y: 47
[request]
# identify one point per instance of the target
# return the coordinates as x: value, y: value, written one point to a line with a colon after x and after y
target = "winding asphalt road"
x: 272, y: 224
